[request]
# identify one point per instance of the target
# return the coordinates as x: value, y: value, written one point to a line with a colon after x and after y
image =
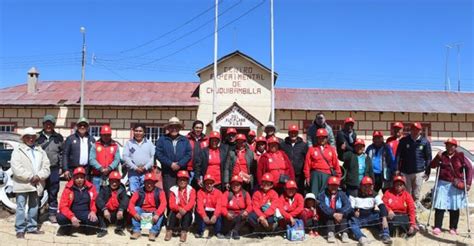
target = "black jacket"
x: 200, y: 167
x: 296, y: 153
x: 251, y: 163
x: 351, y: 165
x: 105, y: 194
x: 343, y: 137
x: 53, y: 146
x: 72, y: 150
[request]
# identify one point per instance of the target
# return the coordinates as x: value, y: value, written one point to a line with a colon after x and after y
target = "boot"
x: 183, y: 236
x: 168, y: 235
x: 151, y: 237
x: 135, y: 235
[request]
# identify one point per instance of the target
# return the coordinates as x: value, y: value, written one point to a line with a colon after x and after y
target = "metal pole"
x: 467, y: 202
x: 433, y: 197
x: 459, y: 66
x: 447, y: 83
x: 273, y: 64
x: 214, y: 82
x: 83, y: 31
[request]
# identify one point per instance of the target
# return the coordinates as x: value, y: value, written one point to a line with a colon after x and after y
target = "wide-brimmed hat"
x: 174, y: 121
x: 29, y: 131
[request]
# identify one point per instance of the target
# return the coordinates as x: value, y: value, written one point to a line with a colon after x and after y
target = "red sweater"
x: 315, y: 161
x: 237, y: 204
x: 260, y: 198
x: 209, y: 200
x: 275, y: 163
x: 67, y: 198
x: 149, y: 204
x: 179, y: 200
x: 291, y: 210
x: 400, y: 203
x: 457, y: 161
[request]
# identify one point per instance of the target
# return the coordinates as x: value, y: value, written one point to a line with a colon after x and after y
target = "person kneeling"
x: 265, y: 203
x: 77, y: 205
x: 291, y: 204
x: 182, y: 201
x: 209, y: 208
x: 365, y: 214
x: 236, y: 207
x: 335, y: 208
x: 112, y: 203
x: 400, y: 207
x: 149, y: 199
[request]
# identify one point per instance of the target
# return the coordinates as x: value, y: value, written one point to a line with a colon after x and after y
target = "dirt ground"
x: 7, y: 236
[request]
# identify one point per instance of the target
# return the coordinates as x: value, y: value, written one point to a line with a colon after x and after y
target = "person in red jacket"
x: 321, y: 162
x: 251, y: 140
x: 397, y: 133
x: 77, y: 205
x: 291, y: 204
x: 265, y: 201
x: 400, y: 207
x: 198, y: 141
x: 260, y: 147
x: 236, y: 207
x: 208, y: 209
x: 276, y: 162
x: 181, y: 203
x: 310, y: 215
x: 150, y: 199
x: 241, y: 162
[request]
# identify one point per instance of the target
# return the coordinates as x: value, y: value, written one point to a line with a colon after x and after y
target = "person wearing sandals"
x: 449, y: 193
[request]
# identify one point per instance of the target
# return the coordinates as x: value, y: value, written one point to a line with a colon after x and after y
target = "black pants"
x: 52, y: 186
x: 65, y: 225
x: 400, y: 222
x: 453, y: 218
x: 329, y: 225
x: 232, y: 225
x: 378, y: 182
x: 184, y: 223
x: 300, y: 183
x: 168, y: 182
x: 103, y: 222
x: 310, y: 224
x: 352, y: 190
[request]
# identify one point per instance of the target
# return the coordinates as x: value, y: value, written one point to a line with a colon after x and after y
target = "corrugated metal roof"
x: 114, y: 93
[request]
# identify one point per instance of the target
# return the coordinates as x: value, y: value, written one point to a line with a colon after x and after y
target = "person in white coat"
x: 30, y: 166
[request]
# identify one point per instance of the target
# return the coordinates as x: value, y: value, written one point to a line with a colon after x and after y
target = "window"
x: 94, y: 130
x: 153, y: 133
x: 7, y: 127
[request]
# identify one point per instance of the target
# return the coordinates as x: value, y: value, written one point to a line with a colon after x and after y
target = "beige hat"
x: 28, y: 131
x: 174, y: 121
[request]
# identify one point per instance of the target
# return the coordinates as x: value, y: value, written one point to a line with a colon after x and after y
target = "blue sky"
x: 346, y: 44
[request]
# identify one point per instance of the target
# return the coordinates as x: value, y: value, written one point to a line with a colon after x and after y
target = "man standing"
x: 251, y: 140
x: 346, y: 138
x: 319, y: 122
x: 104, y: 157
x: 174, y: 152
x: 413, y: 161
x: 198, y: 141
x: 383, y: 162
x: 296, y: 149
x: 76, y: 149
x: 397, y: 133
x: 52, y: 144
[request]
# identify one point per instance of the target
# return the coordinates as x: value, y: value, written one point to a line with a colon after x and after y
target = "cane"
x: 467, y: 203
x: 433, y: 199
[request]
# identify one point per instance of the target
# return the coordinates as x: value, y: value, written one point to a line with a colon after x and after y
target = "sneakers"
x: 52, y: 219
x: 331, y: 237
x: 363, y: 241
x: 453, y: 232
x: 345, y: 237
x: 20, y: 235
x: 198, y: 235
x: 220, y: 236
x: 135, y: 235
x: 101, y: 233
x: 436, y: 231
x: 119, y: 232
x: 235, y: 235
x: 386, y: 239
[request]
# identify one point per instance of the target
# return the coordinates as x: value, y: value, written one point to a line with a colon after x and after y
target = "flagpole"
x: 273, y: 64
x: 214, y: 82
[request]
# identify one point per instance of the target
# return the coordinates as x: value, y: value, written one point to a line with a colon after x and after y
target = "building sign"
x: 235, y: 116
x: 237, y: 76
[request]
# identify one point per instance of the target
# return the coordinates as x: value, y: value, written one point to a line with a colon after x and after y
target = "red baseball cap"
x: 293, y: 128
x: 451, y: 141
x: 105, y: 129
x: 291, y: 184
x: 359, y: 141
x: 349, y: 120
x: 150, y: 177
x: 237, y: 178
x: 252, y: 133
x: 399, y: 178
x: 321, y: 132
x: 261, y: 139
x: 267, y: 177
x: 273, y: 139
x: 183, y: 174
x: 209, y: 177
x: 417, y: 125
x: 79, y: 170
x: 333, y: 180
x: 366, y: 180
x: 398, y: 124
x: 377, y: 134
x: 231, y: 130
x: 215, y: 134
x: 115, y: 175
x: 241, y: 137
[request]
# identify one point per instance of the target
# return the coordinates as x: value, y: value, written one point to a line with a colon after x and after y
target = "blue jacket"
x: 387, y: 159
x: 343, y: 205
x: 72, y: 150
x: 166, y: 153
x: 413, y: 156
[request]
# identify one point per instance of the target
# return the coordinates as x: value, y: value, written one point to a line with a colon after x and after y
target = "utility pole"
x: 458, y: 46
x: 83, y: 31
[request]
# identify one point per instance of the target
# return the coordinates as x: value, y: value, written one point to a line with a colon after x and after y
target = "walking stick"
x: 467, y: 204
x: 433, y: 197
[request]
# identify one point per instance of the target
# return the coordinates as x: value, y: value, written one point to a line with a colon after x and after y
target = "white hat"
x: 270, y: 124
x: 310, y: 196
x: 28, y: 131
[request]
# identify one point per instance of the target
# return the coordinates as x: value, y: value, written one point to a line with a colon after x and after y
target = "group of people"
x: 228, y: 182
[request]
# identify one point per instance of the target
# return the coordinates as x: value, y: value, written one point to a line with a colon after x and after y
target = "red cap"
x: 267, y: 177
x: 417, y: 125
x: 252, y: 133
x: 366, y: 180
x: 349, y: 120
x: 241, y: 137
x: 79, y: 170
x: 215, y: 134
x: 333, y: 180
x: 293, y: 128
x: 237, y: 178
x: 377, y: 134
x: 150, y: 177
x: 398, y: 124
x: 321, y: 132
x: 291, y: 184
x: 183, y: 174
x: 261, y: 139
x: 231, y: 130
x: 209, y: 177
x: 115, y: 175
x: 451, y: 141
x: 399, y: 178
x: 105, y: 129
x: 272, y: 139
x: 359, y: 141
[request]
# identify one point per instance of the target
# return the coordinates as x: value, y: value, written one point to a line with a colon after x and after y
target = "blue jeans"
x: 28, y: 223
x: 52, y: 186
x: 201, y: 225
x: 135, y: 181
x: 136, y: 226
x: 356, y: 223
x: 97, y: 182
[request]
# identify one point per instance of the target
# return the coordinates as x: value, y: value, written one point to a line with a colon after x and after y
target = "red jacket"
x: 237, y: 204
x: 175, y: 203
x: 149, y: 204
x: 203, y: 142
x: 308, y: 214
x: 393, y: 141
x: 458, y: 162
x: 267, y: 164
x: 315, y: 161
x: 400, y: 203
x: 209, y: 200
x: 67, y: 198
x: 260, y: 199
x: 291, y: 210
